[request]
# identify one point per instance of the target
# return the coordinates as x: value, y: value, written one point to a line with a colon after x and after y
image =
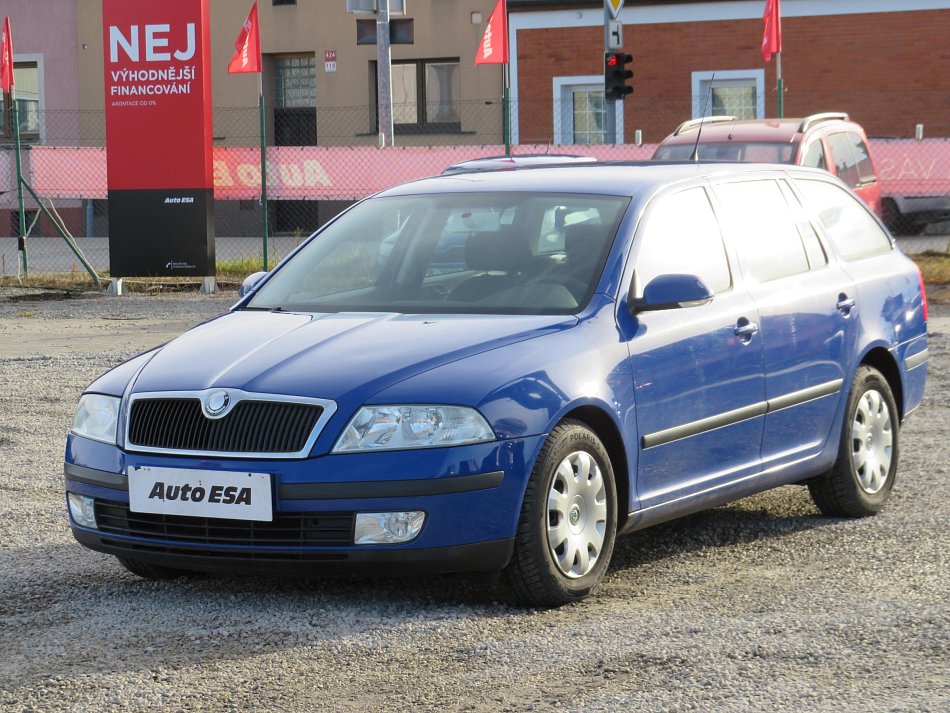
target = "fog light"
x: 386, y: 528
x: 83, y: 510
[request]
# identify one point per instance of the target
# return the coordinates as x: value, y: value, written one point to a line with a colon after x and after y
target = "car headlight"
x: 383, y: 428
x: 97, y: 417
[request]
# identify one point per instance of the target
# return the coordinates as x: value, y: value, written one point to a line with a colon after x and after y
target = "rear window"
x: 742, y: 151
x: 849, y: 225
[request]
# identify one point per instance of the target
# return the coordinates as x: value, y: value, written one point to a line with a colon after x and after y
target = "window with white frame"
x: 738, y: 93
x: 26, y: 82
x: 582, y: 115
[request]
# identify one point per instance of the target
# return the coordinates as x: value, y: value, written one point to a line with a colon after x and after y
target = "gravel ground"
x: 760, y: 605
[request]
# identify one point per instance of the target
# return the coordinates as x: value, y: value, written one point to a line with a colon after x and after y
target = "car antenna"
x: 699, y: 131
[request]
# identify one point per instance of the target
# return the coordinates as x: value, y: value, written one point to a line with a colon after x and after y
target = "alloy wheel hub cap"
x: 577, y: 514
x: 872, y: 441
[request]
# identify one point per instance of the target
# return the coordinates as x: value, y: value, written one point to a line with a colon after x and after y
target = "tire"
x: 861, y: 479
x: 147, y: 570
x: 890, y: 215
x: 573, y: 484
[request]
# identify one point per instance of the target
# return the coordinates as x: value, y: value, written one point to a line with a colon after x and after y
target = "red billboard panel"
x: 158, y: 133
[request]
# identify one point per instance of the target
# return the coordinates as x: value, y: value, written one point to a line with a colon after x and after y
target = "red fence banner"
x: 906, y: 167
x: 158, y: 135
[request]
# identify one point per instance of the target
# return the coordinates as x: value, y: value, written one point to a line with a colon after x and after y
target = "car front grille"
x: 307, y: 529
x: 178, y: 424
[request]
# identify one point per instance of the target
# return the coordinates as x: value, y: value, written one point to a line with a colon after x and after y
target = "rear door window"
x: 849, y: 225
x: 846, y: 163
x: 681, y: 236
x: 862, y: 156
x: 758, y: 220
x: 816, y: 253
x: 815, y: 156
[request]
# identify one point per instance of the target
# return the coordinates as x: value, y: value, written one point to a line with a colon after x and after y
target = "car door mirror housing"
x: 672, y: 292
x: 251, y: 282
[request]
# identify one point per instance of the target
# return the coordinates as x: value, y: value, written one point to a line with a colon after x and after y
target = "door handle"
x: 745, y: 330
x: 845, y: 304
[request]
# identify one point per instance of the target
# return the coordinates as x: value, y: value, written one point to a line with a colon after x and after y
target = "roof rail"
x: 693, y: 123
x: 810, y: 121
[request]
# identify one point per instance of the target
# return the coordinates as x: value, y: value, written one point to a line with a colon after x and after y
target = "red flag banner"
x: 247, y: 58
x: 494, y: 46
x: 6, y: 57
x: 772, y: 29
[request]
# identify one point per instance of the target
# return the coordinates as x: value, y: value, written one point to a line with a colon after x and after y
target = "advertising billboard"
x: 158, y: 135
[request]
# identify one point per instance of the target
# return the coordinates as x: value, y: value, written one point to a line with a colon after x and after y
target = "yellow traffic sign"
x: 614, y: 6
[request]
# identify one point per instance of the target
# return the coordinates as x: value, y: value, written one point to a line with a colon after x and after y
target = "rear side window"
x: 815, y: 156
x: 849, y: 225
x: 846, y: 163
x: 862, y: 158
x: 759, y: 221
x: 681, y: 236
x: 816, y: 253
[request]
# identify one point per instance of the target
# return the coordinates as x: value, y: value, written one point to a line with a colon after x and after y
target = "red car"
x: 830, y: 141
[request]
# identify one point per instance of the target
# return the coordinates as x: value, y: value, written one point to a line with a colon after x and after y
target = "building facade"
x: 885, y: 62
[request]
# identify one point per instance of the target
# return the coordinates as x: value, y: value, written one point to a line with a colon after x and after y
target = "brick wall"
x: 890, y: 71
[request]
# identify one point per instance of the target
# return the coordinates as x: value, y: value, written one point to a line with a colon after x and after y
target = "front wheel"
x: 568, y: 520
x: 861, y: 479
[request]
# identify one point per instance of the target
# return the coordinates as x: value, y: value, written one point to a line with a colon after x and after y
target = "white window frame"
x: 701, y: 81
x: 563, y: 121
x: 38, y: 59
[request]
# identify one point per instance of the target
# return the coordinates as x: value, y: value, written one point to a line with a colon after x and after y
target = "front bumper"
x: 477, y: 557
x: 471, y: 496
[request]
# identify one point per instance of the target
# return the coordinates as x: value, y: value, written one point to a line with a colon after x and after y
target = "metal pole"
x: 384, y: 95
x: 507, y: 111
x: 21, y: 243
x: 781, y: 85
x: 610, y: 108
x: 260, y: 85
x: 59, y: 228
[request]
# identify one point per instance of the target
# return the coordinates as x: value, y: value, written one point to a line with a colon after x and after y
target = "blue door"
x: 806, y: 304
x: 698, y: 371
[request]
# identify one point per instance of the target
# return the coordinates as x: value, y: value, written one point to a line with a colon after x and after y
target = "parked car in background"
x: 830, y: 141
x: 911, y: 214
x: 539, y: 361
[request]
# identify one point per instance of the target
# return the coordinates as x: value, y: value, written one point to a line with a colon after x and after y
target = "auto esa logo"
x: 223, y: 494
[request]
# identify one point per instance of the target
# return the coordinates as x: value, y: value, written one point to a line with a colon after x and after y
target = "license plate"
x: 201, y: 493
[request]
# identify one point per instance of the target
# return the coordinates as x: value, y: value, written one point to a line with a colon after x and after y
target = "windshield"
x: 743, y: 151
x: 496, y: 253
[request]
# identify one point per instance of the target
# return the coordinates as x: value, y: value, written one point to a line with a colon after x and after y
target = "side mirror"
x: 672, y: 292
x: 250, y: 282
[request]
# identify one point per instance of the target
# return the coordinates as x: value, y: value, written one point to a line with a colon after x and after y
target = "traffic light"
x: 616, y: 75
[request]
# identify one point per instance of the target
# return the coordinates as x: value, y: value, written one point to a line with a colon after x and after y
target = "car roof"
x: 787, y: 130
x: 631, y: 179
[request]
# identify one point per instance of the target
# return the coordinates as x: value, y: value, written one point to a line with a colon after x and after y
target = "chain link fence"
x: 321, y: 160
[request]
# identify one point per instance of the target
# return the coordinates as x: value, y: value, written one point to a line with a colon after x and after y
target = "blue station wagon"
x: 506, y: 370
